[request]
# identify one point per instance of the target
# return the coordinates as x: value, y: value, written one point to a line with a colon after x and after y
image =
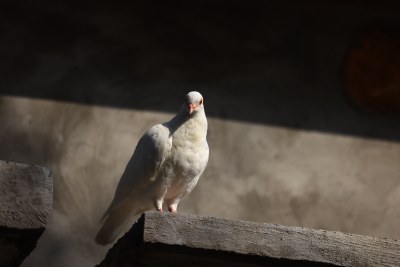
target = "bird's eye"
x: 201, y: 101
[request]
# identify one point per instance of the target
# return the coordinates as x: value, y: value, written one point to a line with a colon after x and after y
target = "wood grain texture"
x: 179, y: 239
x: 26, y: 196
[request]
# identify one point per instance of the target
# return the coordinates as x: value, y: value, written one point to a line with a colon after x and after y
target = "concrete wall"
x: 287, y: 146
x: 256, y: 172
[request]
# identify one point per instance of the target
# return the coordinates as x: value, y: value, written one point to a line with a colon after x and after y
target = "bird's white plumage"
x: 165, y: 166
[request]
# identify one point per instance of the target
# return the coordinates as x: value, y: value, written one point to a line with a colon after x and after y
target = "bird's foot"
x: 171, y: 209
x: 158, y: 204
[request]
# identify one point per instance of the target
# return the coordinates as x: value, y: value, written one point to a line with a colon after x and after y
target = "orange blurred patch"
x: 373, y: 74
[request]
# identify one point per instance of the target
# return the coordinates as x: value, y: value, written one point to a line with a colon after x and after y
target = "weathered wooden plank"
x: 26, y: 195
x: 178, y: 239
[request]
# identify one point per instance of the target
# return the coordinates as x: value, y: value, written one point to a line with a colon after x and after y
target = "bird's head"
x: 194, y: 102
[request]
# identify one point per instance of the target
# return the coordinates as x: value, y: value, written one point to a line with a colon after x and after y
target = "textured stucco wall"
x: 256, y: 172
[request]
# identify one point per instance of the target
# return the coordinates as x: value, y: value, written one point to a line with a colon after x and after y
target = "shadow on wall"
x: 277, y: 64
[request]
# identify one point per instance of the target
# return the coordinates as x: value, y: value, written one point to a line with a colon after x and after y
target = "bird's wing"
x: 147, y: 158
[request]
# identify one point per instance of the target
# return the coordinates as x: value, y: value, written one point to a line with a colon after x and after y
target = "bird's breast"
x: 188, y: 156
x: 183, y: 164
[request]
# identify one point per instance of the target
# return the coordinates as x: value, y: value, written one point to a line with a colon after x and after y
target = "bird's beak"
x: 191, y: 108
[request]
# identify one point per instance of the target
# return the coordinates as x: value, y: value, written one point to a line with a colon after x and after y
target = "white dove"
x: 165, y: 166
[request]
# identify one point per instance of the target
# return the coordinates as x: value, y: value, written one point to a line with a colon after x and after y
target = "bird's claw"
x: 172, y: 210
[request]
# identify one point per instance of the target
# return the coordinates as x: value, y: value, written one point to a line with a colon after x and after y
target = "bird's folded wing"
x: 147, y: 158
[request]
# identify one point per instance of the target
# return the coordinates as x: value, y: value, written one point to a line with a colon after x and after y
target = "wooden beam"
x: 26, y: 196
x: 166, y: 239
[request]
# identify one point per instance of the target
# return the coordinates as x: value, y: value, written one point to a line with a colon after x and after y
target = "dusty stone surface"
x: 26, y: 196
x: 160, y: 239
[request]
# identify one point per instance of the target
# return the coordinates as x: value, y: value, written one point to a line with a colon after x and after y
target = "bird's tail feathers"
x: 114, y: 220
x: 106, y: 213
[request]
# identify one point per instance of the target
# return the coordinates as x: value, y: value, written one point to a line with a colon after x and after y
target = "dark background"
x: 258, y: 61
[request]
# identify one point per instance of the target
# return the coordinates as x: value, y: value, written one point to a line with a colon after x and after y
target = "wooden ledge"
x: 166, y: 239
x: 26, y: 198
